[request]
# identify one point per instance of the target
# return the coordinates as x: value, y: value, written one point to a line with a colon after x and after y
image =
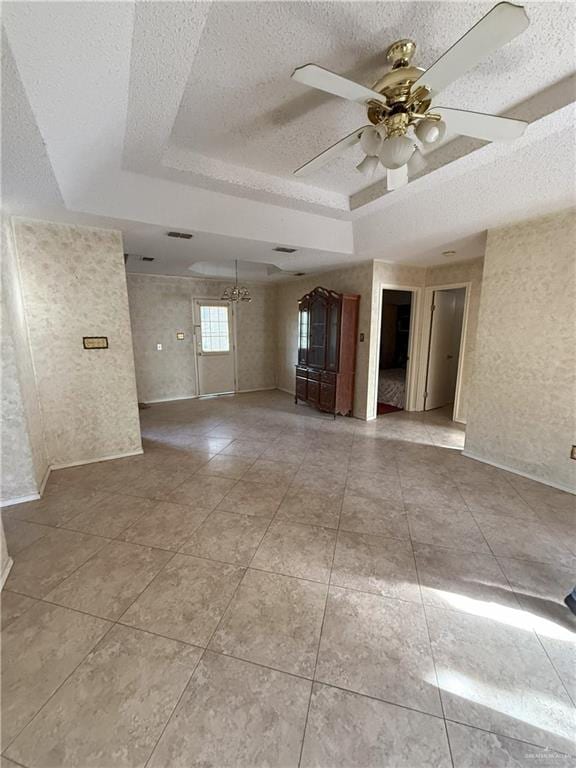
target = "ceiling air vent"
x: 181, y: 235
x: 147, y: 258
x: 299, y: 274
x: 283, y: 249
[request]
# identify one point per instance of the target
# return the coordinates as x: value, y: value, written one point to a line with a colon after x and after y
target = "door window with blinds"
x: 214, y: 329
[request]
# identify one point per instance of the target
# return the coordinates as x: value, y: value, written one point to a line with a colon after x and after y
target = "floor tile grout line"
x: 55, y: 691
x: 432, y: 656
x: 320, y: 634
x: 174, y: 709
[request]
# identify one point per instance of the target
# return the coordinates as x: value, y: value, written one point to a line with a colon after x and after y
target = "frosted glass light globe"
x: 370, y: 141
x: 396, y: 151
x: 430, y: 131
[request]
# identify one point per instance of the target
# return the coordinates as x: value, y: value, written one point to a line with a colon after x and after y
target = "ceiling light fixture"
x: 396, y: 151
x: 402, y: 107
x: 236, y: 292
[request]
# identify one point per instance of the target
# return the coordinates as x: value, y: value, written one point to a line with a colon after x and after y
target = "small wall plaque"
x: 95, y: 342
x: 180, y: 336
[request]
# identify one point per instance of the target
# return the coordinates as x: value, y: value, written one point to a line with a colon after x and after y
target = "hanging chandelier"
x: 236, y: 292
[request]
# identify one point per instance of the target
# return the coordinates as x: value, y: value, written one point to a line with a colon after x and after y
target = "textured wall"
x: 161, y: 306
x: 464, y: 272
x: 74, y: 285
x: 522, y: 400
x: 356, y: 279
x: 24, y: 459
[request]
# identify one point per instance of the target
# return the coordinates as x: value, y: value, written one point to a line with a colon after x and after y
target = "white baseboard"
x: 36, y: 496
x: 45, y: 480
x: 169, y: 399
x: 527, y: 475
x: 5, y: 571
x: 19, y: 500
x: 30, y: 496
x: 95, y: 461
x: 288, y: 391
x: 258, y: 389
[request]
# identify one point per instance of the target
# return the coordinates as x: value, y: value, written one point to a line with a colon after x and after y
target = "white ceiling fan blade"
x: 396, y: 177
x: 480, y: 125
x: 500, y: 25
x: 324, y: 80
x: 329, y: 154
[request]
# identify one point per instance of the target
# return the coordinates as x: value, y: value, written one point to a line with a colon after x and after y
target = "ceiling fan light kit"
x: 399, y: 105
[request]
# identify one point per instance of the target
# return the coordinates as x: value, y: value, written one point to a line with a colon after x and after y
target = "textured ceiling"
x: 154, y: 116
x: 241, y: 107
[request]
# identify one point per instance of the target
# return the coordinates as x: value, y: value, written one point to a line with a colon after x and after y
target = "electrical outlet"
x: 573, y: 452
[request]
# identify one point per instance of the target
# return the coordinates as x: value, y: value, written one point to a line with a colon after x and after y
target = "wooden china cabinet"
x: 327, y: 330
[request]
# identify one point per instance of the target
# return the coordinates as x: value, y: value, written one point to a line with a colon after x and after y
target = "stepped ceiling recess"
x: 151, y: 117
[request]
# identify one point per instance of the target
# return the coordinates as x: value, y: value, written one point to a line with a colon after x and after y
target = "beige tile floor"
x: 266, y: 586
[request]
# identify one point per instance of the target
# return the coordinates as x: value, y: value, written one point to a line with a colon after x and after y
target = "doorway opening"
x: 396, y: 323
x: 443, y: 363
x: 215, y: 344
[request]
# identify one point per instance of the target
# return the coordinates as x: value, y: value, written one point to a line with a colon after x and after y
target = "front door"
x: 214, y: 335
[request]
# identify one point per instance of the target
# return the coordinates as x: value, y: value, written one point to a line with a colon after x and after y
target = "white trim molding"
x: 19, y: 500
x: 5, y: 571
x: 95, y: 461
x: 169, y: 399
x: 527, y: 475
x: 413, y: 346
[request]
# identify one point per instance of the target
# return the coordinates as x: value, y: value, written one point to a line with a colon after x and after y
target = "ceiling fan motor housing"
x: 396, y: 85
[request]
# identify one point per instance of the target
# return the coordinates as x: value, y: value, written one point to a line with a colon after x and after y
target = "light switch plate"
x: 159, y: 347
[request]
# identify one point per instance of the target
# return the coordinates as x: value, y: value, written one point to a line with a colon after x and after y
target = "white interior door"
x: 214, y: 334
x: 444, y: 349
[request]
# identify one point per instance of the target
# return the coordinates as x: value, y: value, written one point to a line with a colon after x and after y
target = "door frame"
x: 410, y: 401
x: 425, y: 346
x: 233, y: 339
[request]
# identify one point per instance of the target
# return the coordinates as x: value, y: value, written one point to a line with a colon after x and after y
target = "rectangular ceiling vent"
x: 283, y: 249
x: 137, y: 257
x: 181, y: 235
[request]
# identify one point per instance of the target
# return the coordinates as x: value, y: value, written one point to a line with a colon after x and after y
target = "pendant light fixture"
x: 236, y: 292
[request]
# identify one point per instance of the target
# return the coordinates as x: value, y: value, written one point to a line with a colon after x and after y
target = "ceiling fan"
x: 399, y: 104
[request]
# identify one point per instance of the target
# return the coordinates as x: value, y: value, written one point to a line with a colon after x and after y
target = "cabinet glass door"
x: 333, y: 337
x: 317, y: 349
x: 303, y: 333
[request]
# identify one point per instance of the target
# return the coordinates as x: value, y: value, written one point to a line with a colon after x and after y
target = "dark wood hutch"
x: 327, y: 331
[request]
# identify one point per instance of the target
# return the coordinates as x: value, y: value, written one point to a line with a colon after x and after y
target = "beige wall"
x: 356, y: 279
x: 366, y: 279
x: 161, y: 306
x: 24, y: 458
x: 73, y: 285
x: 463, y: 272
x: 522, y: 401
